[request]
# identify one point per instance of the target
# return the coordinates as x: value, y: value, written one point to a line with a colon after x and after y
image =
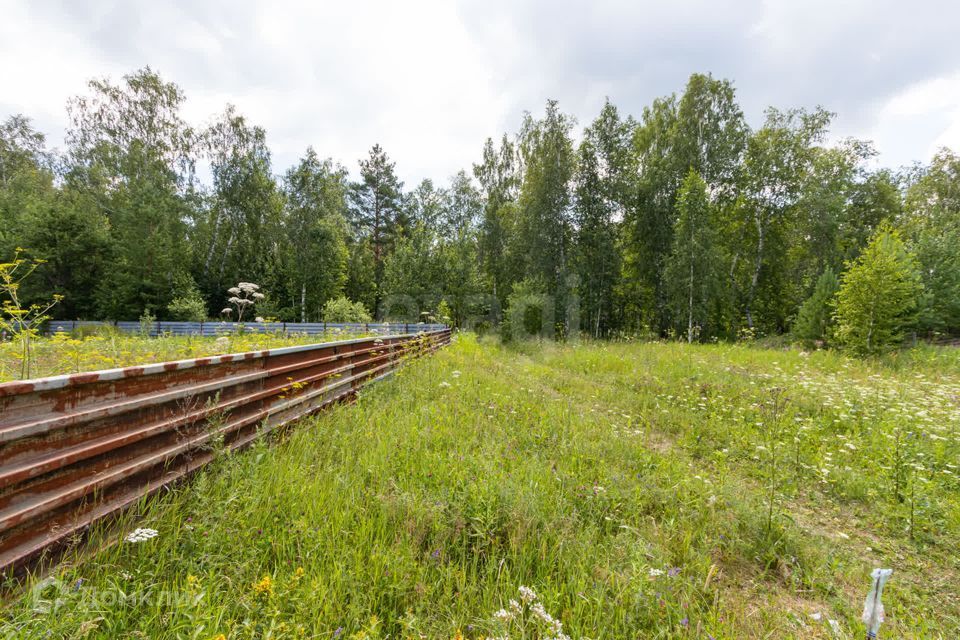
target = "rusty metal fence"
x: 77, y: 448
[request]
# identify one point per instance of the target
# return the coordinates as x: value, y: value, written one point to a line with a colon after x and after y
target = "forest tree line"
x: 681, y: 220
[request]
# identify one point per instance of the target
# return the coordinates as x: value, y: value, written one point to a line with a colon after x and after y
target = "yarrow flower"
x: 140, y: 535
x: 527, y: 594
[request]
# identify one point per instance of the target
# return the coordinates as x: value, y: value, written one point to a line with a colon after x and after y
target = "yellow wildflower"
x: 264, y: 587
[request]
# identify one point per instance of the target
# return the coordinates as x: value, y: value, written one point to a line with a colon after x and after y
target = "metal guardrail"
x: 77, y: 448
x: 157, y: 328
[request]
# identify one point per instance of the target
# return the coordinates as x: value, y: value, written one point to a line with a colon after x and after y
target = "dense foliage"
x: 681, y: 220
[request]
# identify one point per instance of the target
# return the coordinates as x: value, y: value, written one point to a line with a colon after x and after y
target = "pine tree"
x: 377, y: 209
x: 879, y: 295
x: 815, y: 315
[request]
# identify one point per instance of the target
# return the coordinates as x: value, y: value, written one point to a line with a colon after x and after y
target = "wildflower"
x: 503, y: 615
x: 654, y: 573
x: 139, y: 535
x: 264, y: 587
x: 527, y: 594
x: 444, y: 384
x: 673, y: 572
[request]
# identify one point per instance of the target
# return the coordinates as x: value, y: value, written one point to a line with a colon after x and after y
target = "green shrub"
x: 814, y: 318
x: 189, y: 307
x: 342, y: 309
x: 879, y: 295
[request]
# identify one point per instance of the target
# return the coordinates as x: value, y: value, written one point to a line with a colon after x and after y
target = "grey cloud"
x: 341, y: 77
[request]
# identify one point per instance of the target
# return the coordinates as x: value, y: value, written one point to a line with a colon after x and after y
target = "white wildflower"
x: 654, y: 573
x: 139, y: 535
x: 527, y: 594
x: 503, y: 615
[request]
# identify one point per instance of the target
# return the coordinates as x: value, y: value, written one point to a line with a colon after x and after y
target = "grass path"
x: 623, y: 483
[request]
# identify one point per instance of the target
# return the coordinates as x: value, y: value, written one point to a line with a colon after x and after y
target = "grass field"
x: 638, y: 490
x: 66, y: 353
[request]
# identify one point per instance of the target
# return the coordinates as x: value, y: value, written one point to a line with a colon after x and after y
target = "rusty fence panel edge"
x: 79, y: 448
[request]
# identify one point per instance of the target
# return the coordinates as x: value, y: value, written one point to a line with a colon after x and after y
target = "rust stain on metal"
x: 78, y: 448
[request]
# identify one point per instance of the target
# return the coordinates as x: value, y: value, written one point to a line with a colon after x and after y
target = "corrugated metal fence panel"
x: 225, y: 328
x: 77, y: 448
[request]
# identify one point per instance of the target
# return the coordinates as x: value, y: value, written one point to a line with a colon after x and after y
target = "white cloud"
x: 431, y: 79
x: 920, y: 119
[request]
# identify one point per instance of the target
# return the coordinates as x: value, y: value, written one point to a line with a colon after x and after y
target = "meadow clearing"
x: 598, y: 490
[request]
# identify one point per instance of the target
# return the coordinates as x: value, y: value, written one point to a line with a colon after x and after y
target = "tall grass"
x: 622, y: 483
x: 107, y: 349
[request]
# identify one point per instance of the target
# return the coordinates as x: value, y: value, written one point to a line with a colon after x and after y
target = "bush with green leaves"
x: 189, y: 307
x: 814, y: 319
x: 879, y: 295
x: 528, y: 312
x: 343, y: 309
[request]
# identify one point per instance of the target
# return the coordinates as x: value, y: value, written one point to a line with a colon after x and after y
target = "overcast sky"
x: 431, y: 80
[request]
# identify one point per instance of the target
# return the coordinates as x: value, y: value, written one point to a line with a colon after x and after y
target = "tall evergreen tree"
x: 376, y: 210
